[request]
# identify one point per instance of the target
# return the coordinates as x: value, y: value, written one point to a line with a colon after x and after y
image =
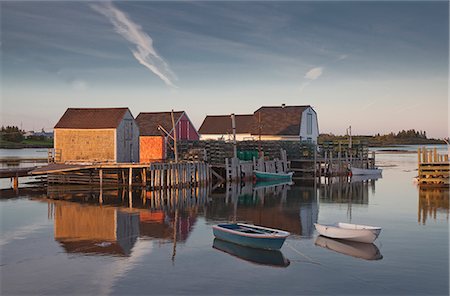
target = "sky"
x: 378, y: 67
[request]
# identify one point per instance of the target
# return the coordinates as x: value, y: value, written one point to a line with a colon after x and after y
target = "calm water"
x: 78, y: 241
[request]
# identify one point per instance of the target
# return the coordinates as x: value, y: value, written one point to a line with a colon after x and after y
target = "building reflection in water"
x: 432, y: 200
x: 344, y: 190
x: 109, y: 222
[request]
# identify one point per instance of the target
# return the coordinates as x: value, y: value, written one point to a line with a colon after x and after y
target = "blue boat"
x: 251, y: 235
x: 273, y: 176
x: 272, y: 258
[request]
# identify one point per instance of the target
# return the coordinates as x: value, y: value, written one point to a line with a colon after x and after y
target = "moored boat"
x: 360, y: 171
x: 272, y: 176
x: 351, y: 232
x: 251, y: 235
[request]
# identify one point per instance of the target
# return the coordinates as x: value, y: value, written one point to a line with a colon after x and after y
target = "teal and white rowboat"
x: 272, y: 176
x: 251, y: 235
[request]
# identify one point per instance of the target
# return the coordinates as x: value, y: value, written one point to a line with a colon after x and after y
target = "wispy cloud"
x: 342, y: 57
x: 314, y: 73
x: 144, y: 52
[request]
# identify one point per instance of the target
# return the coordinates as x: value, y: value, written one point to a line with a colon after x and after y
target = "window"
x: 309, y: 123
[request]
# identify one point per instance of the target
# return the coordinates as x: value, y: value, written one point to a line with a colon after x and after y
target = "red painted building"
x: 153, y: 138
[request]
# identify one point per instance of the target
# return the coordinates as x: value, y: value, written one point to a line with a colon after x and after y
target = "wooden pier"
x: 154, y: 175
x: 433, y: 168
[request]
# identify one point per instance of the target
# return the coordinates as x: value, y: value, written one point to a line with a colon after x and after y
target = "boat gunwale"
x: 278, y: 233
x: 340, y: 225
x: 273, y: 174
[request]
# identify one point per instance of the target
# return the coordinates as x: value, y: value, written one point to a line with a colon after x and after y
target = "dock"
x: 154, y: 175
x: 433, y: 168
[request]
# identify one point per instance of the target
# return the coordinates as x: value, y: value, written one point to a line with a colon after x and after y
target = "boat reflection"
x: 258, y: 256
x: 349, y: 248
x: 365, y: 178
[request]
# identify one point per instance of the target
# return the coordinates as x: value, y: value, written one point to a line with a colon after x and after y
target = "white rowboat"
x: 351, y: 232
x: 360, y: 171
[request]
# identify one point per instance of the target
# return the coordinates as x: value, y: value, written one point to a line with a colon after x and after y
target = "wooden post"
x: 175, y: 151
x: 233, y: 126
x: 16, y: 182
x: 100, y: 174
x: 418, y: 156
x: 144, y: 176
x: 130, y: 177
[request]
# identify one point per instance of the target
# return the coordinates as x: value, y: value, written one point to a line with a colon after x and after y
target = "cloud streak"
x: 144, y: 52
x: 314, y: 73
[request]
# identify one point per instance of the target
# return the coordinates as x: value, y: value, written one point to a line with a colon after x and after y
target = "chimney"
x: 283, y: 105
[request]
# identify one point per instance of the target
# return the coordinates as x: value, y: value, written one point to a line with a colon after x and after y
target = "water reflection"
x: 354, y: 249
x: 91, y: 221
x: 280, y: 206
x: 259, y: 256
x: 94, y: 230
x: 432, y: 200
x: 344, y: 190
x: 109, y: 221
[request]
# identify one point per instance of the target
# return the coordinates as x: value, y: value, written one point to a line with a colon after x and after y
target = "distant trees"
x: 11, y: 134
x: 411, y: 134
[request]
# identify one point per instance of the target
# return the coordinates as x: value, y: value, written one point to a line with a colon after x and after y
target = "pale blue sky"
x: 377, y: 66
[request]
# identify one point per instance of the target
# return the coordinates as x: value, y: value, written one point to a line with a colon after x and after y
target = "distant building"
x: 153, y: 127
x: 291, y: 123
x: 97, y: 134
x: 41, y: 134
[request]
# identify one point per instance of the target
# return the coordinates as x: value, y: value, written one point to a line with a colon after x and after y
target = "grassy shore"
x: 27, y: 143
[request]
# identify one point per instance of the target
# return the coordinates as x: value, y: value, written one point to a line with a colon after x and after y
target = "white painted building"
x: 276, y: 123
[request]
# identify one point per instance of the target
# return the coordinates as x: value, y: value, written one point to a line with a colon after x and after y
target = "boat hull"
x: 358, y: 233
x: 260, y: 241
x: 273, y: 176
x: 359, y: 171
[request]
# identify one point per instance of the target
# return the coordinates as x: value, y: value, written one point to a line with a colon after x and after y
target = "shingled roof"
x: 279, y: 120
x: 221, y: 124
x: 91, y: 118
x: 276, y: 120
x: 148, y: 122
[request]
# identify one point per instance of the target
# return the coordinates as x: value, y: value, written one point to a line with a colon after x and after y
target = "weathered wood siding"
x: 185, y: 129
x: 152, y: 148
x: 85, y: 145
x: 127, y: 140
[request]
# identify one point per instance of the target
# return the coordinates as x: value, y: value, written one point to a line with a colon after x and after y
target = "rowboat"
x: 272, y: 176
x: 251, y: 235
x: 360, y: 171
x: 349, y: 248
x: 257, y: 256
x: 351, y: 232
